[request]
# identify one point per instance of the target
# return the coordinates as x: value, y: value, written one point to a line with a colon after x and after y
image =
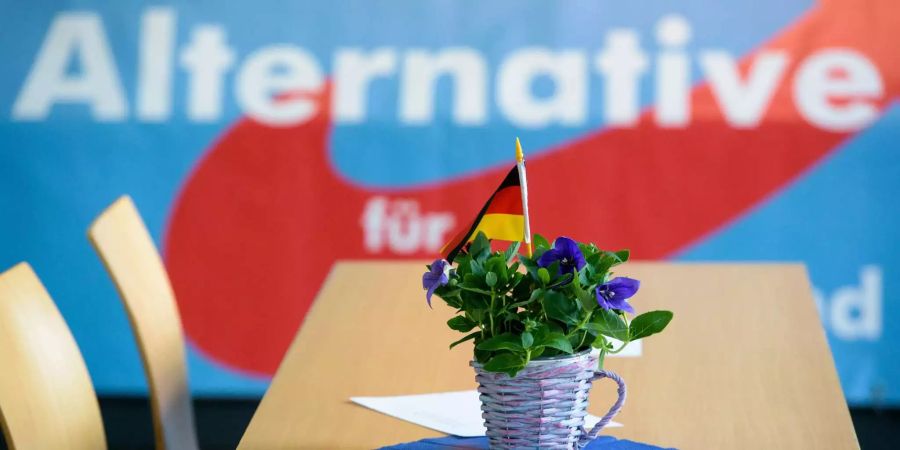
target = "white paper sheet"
x: 457, y: 413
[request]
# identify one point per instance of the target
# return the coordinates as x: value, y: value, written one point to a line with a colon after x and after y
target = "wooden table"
x: 744, y: 364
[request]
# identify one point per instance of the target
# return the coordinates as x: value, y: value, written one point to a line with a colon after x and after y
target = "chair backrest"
x: 46, y: 396
x: 126, y: 248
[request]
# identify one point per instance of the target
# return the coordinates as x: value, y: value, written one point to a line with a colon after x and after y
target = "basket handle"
x: 588, y: 436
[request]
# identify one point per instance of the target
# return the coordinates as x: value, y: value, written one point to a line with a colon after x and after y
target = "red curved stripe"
x: 264, y: 215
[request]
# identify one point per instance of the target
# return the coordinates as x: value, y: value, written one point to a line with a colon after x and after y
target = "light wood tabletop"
x: 743, y: 365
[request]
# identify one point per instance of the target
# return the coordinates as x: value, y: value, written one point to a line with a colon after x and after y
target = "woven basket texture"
x: 544, y: 405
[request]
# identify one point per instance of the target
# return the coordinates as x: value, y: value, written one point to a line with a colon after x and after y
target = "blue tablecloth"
x: 601, y: 443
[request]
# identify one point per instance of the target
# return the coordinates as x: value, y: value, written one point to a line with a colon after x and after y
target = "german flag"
x: 501, y: 217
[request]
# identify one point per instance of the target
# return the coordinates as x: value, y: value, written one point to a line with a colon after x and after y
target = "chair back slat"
x: 127, y: 250
x: 47, y: 400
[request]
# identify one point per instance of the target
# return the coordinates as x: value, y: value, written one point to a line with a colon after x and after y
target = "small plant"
x: 565, y: 302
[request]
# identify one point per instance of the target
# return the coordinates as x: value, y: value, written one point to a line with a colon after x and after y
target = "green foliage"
x: 461, y: 323
x: 608, y: 323
x: 560, y: 307
x: 648, y: 324
x: 509, y: 363
x: 516, y: 311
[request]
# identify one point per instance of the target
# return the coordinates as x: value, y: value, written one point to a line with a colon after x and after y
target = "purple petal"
x: 566, y: 245
x: 564, y: 249
x: 623, y: 288
x: 569, y: 249
x: 549, y: 257
x: 579, y: 259
x: 614, y: 293
x: 437, y: 267
x: 438, y: 276
x: 601, y: 300
x: 621, y: 304
x: 430, y: 279
x: 430, y: 293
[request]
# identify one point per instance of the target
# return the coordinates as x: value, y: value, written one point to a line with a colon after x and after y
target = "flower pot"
x: 544, y: 405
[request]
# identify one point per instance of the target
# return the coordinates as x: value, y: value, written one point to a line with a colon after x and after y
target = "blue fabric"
x: 601, y: 443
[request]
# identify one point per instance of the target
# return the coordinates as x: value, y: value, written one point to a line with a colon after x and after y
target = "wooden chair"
x: 126, y: 248
x: 47, y: 400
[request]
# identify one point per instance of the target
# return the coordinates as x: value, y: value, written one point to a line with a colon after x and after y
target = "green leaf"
x: 588, y: 302
x: 558, y: 341
x: 497, y: 265
x: 649, y: 323
x: 511, y: 251
x: 505, y: 341
x: 607, y: 260
x: 466, y: 338
x: 515, y: 279
x: 599, y: 342
x: 559, y: 307
x: 527, y: 340
x: 601, y: 358
x: 461, y: 323
x: 543, y: 275
x: 593, y: 259
x: 481, y: 247
x: 540, y: 332
x: 623, y: 255
x: 491, y: 279
x: 509, y: 363
x: 474, y: 312
x: 608, y: 323
x: 535, y: 294
x: 482, y: 356
x: 561, y: 281
x: 540, y: 242
x: 476, y: 290
x: 584, y: 276
x: 553, y: 268
x: 528, y: 263
x: 477, y: 268
x: 530, y: 266
x: 575, y: 337
x: 523, y: 303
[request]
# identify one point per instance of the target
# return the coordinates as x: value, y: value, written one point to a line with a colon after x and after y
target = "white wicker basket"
x: 544, y: 405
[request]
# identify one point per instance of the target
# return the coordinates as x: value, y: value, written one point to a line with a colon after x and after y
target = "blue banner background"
x: 56, y: 174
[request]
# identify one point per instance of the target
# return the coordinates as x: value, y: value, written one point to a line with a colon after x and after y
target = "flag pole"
x: 520, y: 163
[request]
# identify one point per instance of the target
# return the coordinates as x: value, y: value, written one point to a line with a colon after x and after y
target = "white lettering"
x: 77, y: 36
x: 421, y: 71
x: 373, y: 224
x: 856, y: 311
x: 836, y: 89
x: 353, y: 72
x: 743, y: 103
x: 568, y: 103
x: 206, y: 59
x: 844, y: 75
x: 402, y: 228
x: 622, y: 63
x: 157, y: 45
x: 673, y: 77
x: 278, y: 85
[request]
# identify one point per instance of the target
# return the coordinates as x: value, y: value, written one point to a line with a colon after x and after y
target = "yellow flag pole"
x: 520, y: 163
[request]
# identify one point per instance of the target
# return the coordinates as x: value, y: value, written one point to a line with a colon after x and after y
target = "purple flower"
x: 614, y: 293
x: 565, y: 251
x: 439, y: 275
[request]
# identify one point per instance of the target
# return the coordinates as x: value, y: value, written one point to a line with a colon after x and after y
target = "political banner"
x: 264, y: 141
